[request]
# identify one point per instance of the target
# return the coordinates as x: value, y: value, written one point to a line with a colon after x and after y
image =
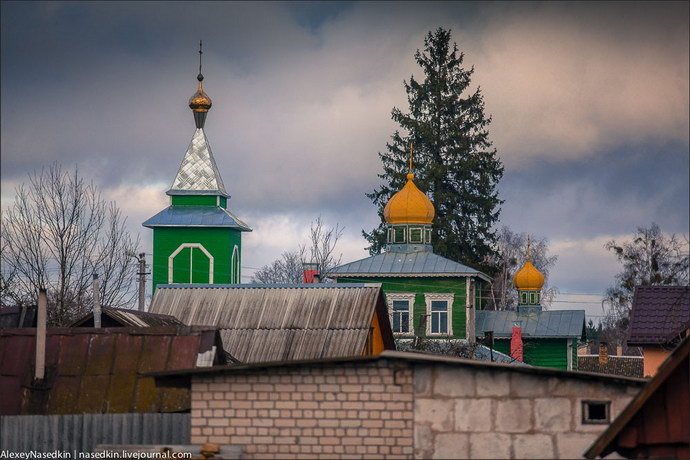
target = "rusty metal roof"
x: 122, y: 317
x: 262, y: 323
x: 99, y: 370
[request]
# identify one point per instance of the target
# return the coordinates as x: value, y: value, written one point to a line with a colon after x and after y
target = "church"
x: 197, y: 239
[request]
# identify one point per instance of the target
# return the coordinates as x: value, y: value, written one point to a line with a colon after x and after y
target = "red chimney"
x: 516, y: 344
x: 310, y: 272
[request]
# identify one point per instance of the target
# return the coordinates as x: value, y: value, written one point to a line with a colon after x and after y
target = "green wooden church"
x: 437, y: 298
x: 197, y: 239
x: 427, y: 295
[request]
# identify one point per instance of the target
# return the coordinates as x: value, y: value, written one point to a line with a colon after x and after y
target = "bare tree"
x: 512, y: 253
x: 56, y: 235
x: 320, y: 249
x: 651, y: 258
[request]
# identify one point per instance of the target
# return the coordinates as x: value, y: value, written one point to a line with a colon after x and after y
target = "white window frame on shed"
x: 409, y: 298
x: 448, y: 298
x: 191, y: 261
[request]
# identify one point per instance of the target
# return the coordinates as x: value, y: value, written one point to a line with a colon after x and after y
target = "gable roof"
x: 657, y: 418
x: 100, y: 370
x: 123, y: 317
x: 659, y: 314
x: 629, y: 366
x: 275, y: 322
x: 405, y: 264
x: 543, y: 324
x: 196, y: 216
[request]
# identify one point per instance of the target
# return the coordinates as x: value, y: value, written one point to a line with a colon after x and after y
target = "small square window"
x: 596, y: 412
x: 399, y: 235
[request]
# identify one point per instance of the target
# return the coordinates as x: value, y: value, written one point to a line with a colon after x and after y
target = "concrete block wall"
x: 323, y: 411
x: 465, y: 412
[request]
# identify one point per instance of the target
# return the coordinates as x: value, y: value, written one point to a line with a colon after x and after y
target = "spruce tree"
x: 454, y: 162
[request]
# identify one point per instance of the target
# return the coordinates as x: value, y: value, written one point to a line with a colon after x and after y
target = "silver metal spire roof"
x: 198, y: 172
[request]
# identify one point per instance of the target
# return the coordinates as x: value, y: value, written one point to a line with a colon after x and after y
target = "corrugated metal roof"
x: 121, y: 317
x: 196, y: 216
x: 262, y: 323
x: 198, y: 171
x: 545, y: 324
x: 99, y: 370
x: 659, y: 314
x: 419, y: 263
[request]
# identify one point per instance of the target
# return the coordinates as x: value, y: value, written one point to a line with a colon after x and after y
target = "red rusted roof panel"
x: 97, y: 370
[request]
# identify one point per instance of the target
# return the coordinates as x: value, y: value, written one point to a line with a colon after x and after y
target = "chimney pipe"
x: 516, y: 343
x: 310, y: 272
x: 619, y: 350
x: 41, y: 320
x: 96, y: 301
x: 603, y: 353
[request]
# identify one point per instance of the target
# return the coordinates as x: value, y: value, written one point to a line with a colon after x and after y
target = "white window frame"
x: 191, y: 263
x: 428, y: 298
x: 405, y: 296
x: 235, y: 265
x: 421, y: 235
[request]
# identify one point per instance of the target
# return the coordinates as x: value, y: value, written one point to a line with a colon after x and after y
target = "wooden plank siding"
x: 542, y: 352
x: 428, y: 285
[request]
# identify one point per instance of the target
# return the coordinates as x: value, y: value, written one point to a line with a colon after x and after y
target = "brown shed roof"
x: 659, y: 314
x: 628, y: 366
x: 261, y: 323
x: 123, y: 317
x: 99, y: 370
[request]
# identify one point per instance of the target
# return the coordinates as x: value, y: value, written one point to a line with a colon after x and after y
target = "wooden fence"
x: 82, y: 432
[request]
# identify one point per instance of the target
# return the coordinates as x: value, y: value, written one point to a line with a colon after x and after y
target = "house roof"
x: 543, y: 324
x: 100, y: 370
x: 657, y: 415
x: 281, y: 322
x: 412, y: 357
x: 405, y: 264
x: 628, y: 366
x: 659, y: 314
x: 122, y: 317
x: 17, y: 316
x: 196, y: 216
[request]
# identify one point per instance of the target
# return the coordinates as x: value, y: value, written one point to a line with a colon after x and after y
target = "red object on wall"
x: 516, y: 344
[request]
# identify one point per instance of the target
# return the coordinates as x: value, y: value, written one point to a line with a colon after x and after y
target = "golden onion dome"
x: 200, y: 102
x: 528, y: 277
x: 409, y: 206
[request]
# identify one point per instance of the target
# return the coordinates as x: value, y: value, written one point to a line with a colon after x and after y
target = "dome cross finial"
x: 529, y: 246
x: 411, y: 145
x: 200, y: 77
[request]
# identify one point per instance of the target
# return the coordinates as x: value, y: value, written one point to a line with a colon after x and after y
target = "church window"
x: 416, y: 235
x: 235, y: 266
x: 398, y: 234
x: 439, y: 307
x: 523, y: 298
x: 190, y: 263
x: 400, y: 307
x: 427, y: 236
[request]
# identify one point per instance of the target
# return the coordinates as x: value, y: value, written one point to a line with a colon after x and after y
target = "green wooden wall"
x: 542, y: 352
x: 217, y: 241
x: 427, y: 285
x: 198, y: 200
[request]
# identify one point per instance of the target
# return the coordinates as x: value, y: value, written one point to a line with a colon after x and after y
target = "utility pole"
x: 96, y: 302
x: 142, y: 280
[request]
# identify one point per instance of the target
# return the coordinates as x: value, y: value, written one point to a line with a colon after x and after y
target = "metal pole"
x: 96, y: 301
x: 142, y: 280
x: 41, y: 335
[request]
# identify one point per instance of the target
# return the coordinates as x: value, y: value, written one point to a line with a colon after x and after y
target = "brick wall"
x: 466, y: 412
x: 324, y: 411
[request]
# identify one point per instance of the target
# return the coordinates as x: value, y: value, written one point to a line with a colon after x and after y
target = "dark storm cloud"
x: 589, y: 104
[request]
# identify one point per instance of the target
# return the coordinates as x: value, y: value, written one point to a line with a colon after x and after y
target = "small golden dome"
x: 528, y: 277
x: 200, y: 102
x: 409, y: 206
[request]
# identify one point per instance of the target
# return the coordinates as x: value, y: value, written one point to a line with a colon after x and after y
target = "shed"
x: 100, y: 370
x: 279, y: 322
x: 123, y: 317
x: 656, y: 424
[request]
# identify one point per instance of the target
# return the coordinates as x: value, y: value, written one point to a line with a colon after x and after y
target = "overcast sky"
x: 589, y: 104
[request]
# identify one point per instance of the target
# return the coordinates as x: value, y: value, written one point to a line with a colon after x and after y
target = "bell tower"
x: 197, y: 240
